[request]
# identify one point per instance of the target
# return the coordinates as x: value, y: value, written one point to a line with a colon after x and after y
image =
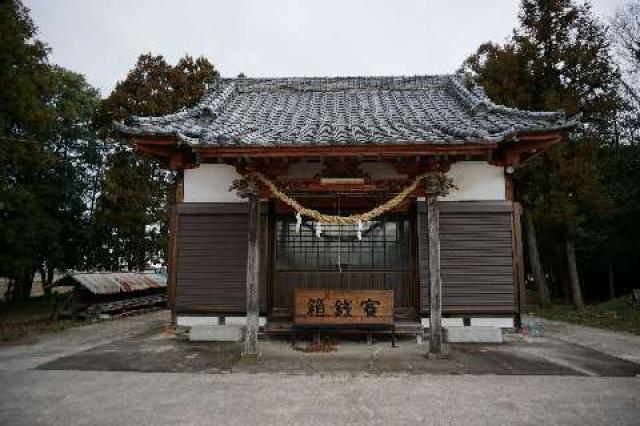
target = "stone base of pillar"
x: 246, y: 358
x: 442, y: 355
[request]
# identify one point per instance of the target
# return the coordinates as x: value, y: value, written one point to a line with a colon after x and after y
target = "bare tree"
x: 625, y: 40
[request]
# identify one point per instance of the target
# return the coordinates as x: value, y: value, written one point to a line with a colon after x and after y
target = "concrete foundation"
x: 190, y: 321
x: 492, y: 322
x: 216, y: 333
x: 498, y: 322
x: 262, y: 321
x: 472, y: 335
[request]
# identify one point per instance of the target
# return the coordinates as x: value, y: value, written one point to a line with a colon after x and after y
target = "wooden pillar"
x: 253, y: 268
x: 517, y: 250
x: 172, y: 260
x: 435, y: 281
x: 518, y: 261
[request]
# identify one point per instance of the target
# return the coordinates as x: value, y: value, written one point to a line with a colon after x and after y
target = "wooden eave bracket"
x: 516, y: 152
x: 171, y: 155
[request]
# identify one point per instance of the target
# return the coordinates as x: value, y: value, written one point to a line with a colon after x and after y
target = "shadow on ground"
x: 156, y: 351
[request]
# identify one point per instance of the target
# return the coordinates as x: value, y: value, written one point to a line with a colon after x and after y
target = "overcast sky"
x: 102, y: 38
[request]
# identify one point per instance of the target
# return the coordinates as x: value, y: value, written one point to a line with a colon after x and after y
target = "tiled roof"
x: 442, y: 109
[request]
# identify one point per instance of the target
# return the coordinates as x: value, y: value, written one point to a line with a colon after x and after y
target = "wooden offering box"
x: 343, y: 307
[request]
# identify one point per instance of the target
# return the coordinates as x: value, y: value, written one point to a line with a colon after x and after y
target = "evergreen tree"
x: 72, y: 141
x: 45, y: 135
x: 132, y: 211
x: 558, y: 58
x: 24, y: 68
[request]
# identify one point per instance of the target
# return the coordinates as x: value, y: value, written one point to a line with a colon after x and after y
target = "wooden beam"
x: 161, y: 154
x: 348, y: 150
x: 180, y: 160
x: 141, y: 140
x: 512, y: 151
x: 541, y: 136
x: 253, y: 268
x: 435, y: 280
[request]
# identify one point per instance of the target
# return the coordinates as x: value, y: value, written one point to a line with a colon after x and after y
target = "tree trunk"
x: 574, y: 279
x: 23, y: 285
x: 46, y: 278
x: 612, y: 286
x: 534, y: 259
x: 43, y: 279
x: 566, y: 288
x: 9, y: 292
x: 48, y: 289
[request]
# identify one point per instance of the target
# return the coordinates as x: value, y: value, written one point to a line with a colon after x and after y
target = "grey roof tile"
x: 344, y: 110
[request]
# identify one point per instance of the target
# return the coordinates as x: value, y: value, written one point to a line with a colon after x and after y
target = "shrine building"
x: 348, y: 183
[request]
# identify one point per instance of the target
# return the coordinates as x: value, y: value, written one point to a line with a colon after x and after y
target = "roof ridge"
x: 185, y: 112
x: 330, y: 84
x: 477, y: 100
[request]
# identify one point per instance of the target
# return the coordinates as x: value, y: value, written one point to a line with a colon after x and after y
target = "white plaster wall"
x: 476, y: 181
x: 210, y: 183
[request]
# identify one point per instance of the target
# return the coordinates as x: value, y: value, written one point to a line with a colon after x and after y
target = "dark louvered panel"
x: 476, y: 257
x: 212, y: 258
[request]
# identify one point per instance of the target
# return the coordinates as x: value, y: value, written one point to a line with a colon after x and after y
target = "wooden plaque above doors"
x: 343, y: 307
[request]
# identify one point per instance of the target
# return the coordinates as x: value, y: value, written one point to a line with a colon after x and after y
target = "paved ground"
x: 115, y: 398
x: 155, y: 352
x: 124, y: 372
x: 75, y: 340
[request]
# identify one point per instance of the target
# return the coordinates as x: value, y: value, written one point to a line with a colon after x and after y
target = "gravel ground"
x: 618, y: 344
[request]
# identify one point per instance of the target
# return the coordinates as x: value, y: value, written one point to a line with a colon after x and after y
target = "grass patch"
x: 25, y: 320
x: 616, y: 314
